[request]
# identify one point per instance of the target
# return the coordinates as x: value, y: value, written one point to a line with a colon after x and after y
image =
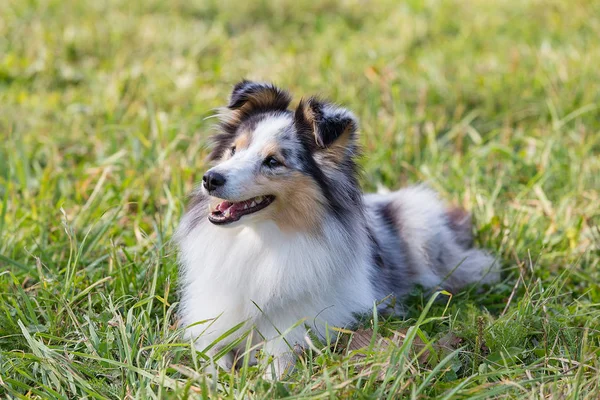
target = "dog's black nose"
x: 212, y: 180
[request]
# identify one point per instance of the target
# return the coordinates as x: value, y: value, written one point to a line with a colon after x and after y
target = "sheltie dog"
x: 280, y: 239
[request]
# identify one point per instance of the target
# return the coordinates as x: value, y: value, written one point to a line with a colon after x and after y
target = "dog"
x: 279, y: 238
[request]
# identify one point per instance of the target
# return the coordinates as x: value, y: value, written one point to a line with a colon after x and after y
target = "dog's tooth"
x: 245, y: 205
x: 253, y: 203
x: 227, y: 213
x: 259, y: 199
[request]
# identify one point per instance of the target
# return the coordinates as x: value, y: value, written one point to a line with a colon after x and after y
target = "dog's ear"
x: 248, y: 96
x: 327, y: 127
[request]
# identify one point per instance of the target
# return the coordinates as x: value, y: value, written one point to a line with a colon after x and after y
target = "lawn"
x: 105, y: 112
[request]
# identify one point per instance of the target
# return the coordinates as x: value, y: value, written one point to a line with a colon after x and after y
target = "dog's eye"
x: 233, y: 151
x: 271, y: 162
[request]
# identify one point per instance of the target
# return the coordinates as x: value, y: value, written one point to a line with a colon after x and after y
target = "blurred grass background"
x: 104, y: 115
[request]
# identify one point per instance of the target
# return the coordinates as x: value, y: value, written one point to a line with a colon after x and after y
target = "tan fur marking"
x: 229, y: 116
x: 242, y: 141
x: 336, y: 152
x: 264, y: 97
x: 272, y: 149
x: 310, y: 117
x: 299, y: 204
x: 259, y: 99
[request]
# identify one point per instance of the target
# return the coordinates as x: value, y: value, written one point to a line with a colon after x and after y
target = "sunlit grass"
x: 103, y: 121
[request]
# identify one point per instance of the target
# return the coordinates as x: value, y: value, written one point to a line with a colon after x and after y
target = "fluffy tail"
x: 442, y: 239
x: 437, y: 241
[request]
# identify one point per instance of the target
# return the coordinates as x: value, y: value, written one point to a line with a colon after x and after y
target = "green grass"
x: 103, y: 124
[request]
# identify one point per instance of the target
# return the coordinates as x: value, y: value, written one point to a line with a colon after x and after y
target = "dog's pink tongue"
x: 240, y: 206
x: 223, y: 206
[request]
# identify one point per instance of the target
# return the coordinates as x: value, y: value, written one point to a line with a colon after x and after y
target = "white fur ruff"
x: 272, y: 280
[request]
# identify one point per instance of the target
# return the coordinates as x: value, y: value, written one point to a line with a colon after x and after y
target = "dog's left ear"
x: 327, y: 127
x: 250, y: 96
x: 247, y: 98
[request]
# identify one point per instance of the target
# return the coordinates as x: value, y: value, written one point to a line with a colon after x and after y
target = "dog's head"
x: 271, y: 163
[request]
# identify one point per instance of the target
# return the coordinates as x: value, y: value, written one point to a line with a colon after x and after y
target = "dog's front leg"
x: 280, y: 366
x: 282, y: 359
x: 225, y: 362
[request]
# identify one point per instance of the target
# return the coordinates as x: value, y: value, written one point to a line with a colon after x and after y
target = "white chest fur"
x: 271, y: 279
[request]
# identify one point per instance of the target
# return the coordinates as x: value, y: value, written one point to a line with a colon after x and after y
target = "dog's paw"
x: 280, y: 367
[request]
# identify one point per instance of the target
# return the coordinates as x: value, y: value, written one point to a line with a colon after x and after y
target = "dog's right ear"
x: 248, y: 96
x: 329, y: 130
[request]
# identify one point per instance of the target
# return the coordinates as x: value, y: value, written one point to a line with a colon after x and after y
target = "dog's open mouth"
x: 227, y: 212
